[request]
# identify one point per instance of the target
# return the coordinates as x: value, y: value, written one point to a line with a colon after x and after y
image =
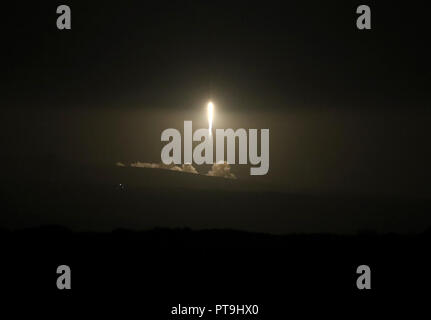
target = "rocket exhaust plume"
x: 210, y: 117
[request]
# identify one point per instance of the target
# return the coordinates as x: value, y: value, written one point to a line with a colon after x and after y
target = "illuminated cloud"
x: 217, y: 170
x: 184, y: 168
x: 221, y: 170
x: 189, y: 168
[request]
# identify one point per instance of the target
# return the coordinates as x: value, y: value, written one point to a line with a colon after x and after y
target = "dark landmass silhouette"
x: 165, y: 266
x: 165, y: 238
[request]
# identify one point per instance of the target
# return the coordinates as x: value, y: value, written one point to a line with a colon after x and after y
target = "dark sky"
x: 346, y: 109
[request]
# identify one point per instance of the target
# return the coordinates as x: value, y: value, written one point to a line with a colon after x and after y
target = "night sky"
x: 347, y: 195
x: 348, y: 110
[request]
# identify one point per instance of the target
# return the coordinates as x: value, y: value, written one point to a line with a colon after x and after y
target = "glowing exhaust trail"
x: 210, y: 117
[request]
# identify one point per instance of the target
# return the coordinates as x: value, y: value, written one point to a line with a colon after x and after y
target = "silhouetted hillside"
x: 169, y: 265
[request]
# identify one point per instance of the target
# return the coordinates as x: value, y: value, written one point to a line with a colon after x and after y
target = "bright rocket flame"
x: 210, y: 116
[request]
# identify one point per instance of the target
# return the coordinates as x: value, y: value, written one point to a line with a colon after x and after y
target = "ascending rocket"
x: 210, y: 117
